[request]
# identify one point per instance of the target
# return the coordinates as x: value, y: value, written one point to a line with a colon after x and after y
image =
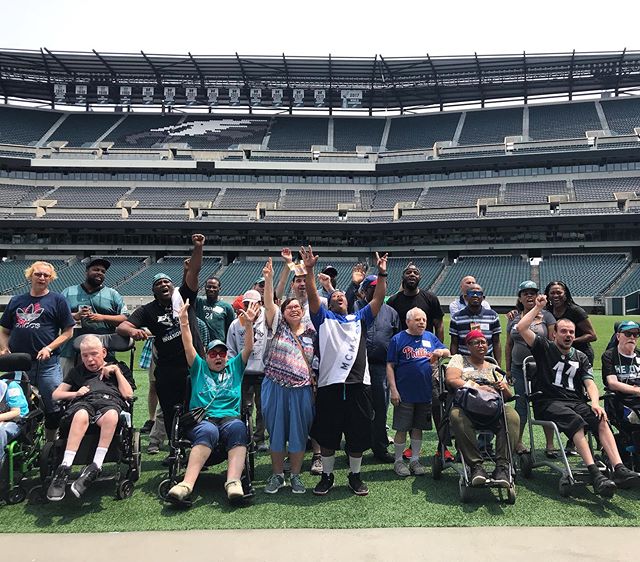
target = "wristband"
x: 49, y: 349
x: 382, y: 274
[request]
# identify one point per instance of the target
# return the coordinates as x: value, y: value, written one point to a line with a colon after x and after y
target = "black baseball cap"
x: 99, y: 261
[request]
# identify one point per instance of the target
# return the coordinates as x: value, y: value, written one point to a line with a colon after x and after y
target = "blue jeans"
x: 46, y: 376
x: 8, y: 432
x: 231, y: 432
x: 380, y: 402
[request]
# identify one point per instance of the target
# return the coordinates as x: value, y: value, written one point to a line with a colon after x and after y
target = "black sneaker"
x: 58, y: 485
x: 625, y: 478
x: 479, y: 475
x: 603, y: 486
x: 570, y: 449
x: 86, y: 478
x: 147, y: 426
x: 358, y: 487
x: 500, y: 476
x: 326, y: 483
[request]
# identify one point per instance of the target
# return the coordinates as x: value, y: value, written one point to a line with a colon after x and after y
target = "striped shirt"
x: 487, y: 321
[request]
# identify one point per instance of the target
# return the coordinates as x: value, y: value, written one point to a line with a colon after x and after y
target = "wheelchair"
x: 23, y: 453
x: 572, y: 472
x: 124, y: 449
x: 439, y: 463
x: 179, y: 447
x: 628, y: 434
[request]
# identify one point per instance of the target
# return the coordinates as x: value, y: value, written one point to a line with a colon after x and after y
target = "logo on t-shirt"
x: 415, y: 353
x: 166, y: 320
x: 25, y: 317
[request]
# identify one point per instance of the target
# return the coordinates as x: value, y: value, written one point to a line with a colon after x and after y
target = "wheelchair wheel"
x: 47, y: 461
x: 511, y: 495
x: 37, y: 495
x: 124, y: 489
x: 564, y: 486
x: 135, y: 464
x: 436, y: 467
x: 17, y: 495
x: 526, y: 465
x: 464, y: 490
x: 164, y: 487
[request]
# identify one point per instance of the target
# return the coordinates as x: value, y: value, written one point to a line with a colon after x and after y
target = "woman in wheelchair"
x: 97, y: 392
x: 474, y: 371
x: 13, y: 406
x: 216, y: 387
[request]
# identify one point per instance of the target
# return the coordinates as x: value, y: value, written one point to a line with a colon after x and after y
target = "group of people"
x: 319, y: 364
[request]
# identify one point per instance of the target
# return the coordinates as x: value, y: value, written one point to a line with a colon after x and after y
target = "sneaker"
x: 316, y: 465
x: 384, y: 457
x: 326, y: 483
x: 179, y: 493
x: 625, y: 478
x: 401, y: 469
x: 358, y: 487
x: 448, y: 457
x: 500, y: 476
x: 274, y: 483
x: 234, y: 489
x: 86, y: 478
x: 407, y: 454
x: 58, y: 485
x: 262, y: 447
x: 603, y: 486
x: 153, y: 449
x: 147, y: 426
x: 416, y: 468
x: 570, y: 449
x: 297, y: 487
x: 479, y: 475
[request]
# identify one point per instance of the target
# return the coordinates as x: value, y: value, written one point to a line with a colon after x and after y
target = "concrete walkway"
x: 539, y: 544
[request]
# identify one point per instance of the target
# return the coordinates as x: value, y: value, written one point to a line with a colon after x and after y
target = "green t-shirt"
x: 217, y: 316
x: 219, y: 393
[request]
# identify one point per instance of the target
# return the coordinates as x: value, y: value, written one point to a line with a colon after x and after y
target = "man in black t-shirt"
x: 563, y: 377
x: 160, y: 317
x: 411, y: 297
x: 621, y: 371
x: 97, y: 392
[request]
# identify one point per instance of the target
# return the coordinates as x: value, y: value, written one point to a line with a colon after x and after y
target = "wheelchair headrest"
x: 112, y: 342
x: 15, y: 362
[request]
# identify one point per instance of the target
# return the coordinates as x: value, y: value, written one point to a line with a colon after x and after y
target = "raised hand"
x: 198, y: 239
x: 382, y: 262
x: 184, y: 313
x: 358, y: 273
x: 286, y: 255
x: 308, y: 258
x: 267, y: 270
x: 251, y: 313
x: 541, y: 301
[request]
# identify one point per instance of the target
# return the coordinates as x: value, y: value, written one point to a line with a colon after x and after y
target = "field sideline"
x: 413, y: 502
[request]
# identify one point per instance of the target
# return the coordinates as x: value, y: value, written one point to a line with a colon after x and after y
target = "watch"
x: 49, y: 349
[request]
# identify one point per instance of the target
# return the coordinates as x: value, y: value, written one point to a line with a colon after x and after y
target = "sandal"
x: 179, y: 493
x: 522, y: 449
x: 552, y: 453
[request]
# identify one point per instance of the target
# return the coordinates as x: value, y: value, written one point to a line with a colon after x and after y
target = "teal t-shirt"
x: 217, y: 316
x: 223, y: 388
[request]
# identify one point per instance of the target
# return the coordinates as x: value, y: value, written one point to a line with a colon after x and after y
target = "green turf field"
x: 391, y: 503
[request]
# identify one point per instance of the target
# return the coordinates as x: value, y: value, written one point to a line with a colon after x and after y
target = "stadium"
x: 505, y: 167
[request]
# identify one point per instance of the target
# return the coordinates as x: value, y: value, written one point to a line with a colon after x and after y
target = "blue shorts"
x: 288, y: 415
x: 231, y: 432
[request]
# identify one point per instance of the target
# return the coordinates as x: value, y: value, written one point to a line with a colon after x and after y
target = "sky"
x: 309, y: 28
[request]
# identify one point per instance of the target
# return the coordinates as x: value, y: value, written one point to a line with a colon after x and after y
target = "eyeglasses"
x: 293, y: 307
x: 42, y: 274
x: 477, y: 343
x: 475, y: 293
x: 213, y: 354
x: 631, y: 334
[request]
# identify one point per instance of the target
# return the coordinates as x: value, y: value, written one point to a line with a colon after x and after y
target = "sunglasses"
x: 631, y: 334
x: 475, y: 293
x: 213, y: 354
x: 477, y: 343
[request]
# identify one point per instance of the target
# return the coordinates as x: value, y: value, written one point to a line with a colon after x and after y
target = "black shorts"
x: 343, y: 409
x: 570, y: 417
x: 96, y: 406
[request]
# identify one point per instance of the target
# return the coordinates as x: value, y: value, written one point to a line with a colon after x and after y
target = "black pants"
x: 171, y: 387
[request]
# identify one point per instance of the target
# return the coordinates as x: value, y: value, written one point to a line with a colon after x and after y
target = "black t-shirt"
x: 626, y: 368
x: 166, y: 328
x: 558, y: 376
x: 424, y: 300
x: 577, y: 314
x: 80, y: 376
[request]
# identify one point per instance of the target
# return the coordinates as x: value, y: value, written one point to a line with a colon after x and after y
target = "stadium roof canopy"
x: 373, y: 83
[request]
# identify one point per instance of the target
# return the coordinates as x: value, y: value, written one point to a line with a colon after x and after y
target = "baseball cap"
x: 237, y: 303
x: 627, y: 325
x: 369, y: 281
x: 159, y: 277
x: 258, y: 281
x: 251, y: 296
x: 99, y: 261
x: 330, y: 271
x: 411, y: 265
x: 474, y: 335
x: 525, y: 285
x: 216, y: 343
